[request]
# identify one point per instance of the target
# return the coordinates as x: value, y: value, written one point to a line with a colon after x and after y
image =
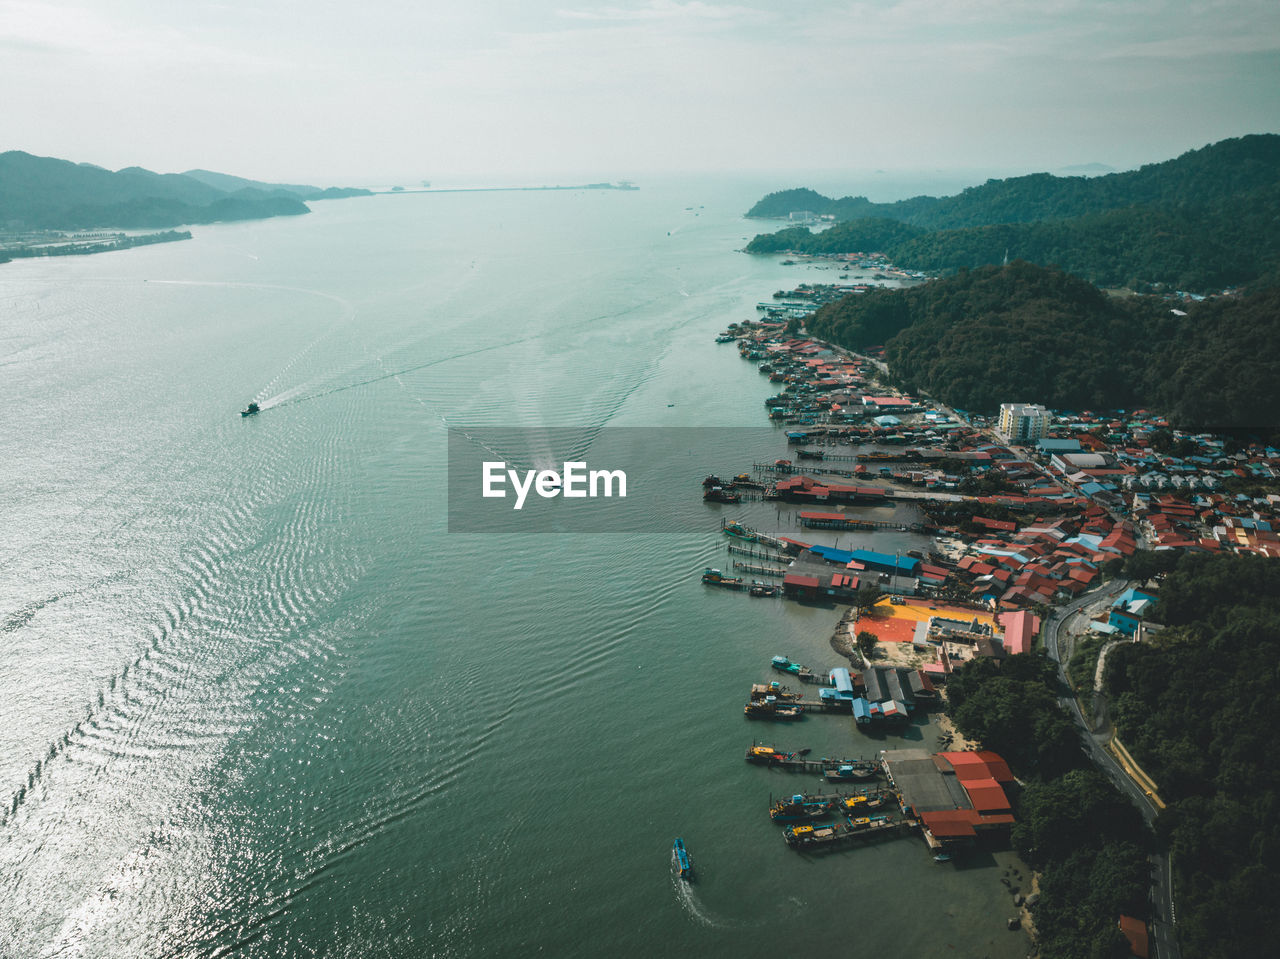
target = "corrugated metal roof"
x: 986, y: 795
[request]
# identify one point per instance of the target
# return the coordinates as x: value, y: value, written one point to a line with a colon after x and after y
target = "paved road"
x: 1163, y: 918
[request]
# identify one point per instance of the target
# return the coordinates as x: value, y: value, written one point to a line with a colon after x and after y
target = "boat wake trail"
x: 698, y: 912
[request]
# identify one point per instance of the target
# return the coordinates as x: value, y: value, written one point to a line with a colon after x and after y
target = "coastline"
x: 73, y: 247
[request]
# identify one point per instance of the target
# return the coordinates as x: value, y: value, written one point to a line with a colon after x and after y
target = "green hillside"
x: 1201, y: 222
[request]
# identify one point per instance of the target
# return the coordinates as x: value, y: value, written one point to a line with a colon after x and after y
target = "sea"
x: 257, y: 700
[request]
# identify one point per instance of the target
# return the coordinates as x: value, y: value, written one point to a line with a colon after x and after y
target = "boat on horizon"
x: 680, y: 856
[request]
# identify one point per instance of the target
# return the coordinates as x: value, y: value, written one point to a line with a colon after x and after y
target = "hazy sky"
x: 392, y: 90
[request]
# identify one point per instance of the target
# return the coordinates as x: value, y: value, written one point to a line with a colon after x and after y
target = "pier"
x: 806, y: 468
x: 839, y: 835
x: 760, y: 570
x: 794, y: 762
x: 850, y: 523
x: 749, y: 535
x: 747, y: 551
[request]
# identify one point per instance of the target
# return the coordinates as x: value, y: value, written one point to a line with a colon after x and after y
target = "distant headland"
x: 43, y: 199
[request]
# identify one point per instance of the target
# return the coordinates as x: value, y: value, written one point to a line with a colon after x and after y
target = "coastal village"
x: 1027, y: 511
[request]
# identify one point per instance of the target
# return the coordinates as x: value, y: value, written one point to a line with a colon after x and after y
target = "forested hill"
x: 1198, y: 179
x: 47, y: 193
x: 1204, y: 221
x: 986, y: 336
x: 1196, y: 706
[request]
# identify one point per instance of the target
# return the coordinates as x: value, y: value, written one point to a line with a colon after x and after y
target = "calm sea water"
x: 255, y: 700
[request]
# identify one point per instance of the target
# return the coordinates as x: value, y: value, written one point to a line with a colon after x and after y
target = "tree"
x: 866, y: 597
x: 867, y: 643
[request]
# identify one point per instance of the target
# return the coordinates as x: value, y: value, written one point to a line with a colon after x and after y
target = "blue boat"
x: 680, y: 856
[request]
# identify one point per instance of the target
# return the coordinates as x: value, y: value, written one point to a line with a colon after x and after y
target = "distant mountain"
x: 1203, y: 221
x: 228, y: 183
x: 48, y: 193
x: 1223, y: 169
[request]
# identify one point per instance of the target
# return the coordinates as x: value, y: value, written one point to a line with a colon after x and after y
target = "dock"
x: 830, y: 521
x: 768, y: 557
x: 794, y: 762
x: 841, y: 834
x: 749, y: 535
x: 760, y: 570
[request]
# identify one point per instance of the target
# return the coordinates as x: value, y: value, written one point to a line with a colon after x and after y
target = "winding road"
x: 1163, y: 918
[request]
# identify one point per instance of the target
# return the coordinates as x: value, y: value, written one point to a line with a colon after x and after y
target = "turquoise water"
x: 255, y: 700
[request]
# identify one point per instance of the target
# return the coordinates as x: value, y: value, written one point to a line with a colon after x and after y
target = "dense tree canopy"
x: 1197, y: 707
x: 1203, y: 221
x: 987, y: 336
x: 1072, y: 825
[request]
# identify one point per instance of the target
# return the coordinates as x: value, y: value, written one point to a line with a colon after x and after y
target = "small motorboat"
x: 942, y: 857
x: 680, y: 856
x: 251, y: 409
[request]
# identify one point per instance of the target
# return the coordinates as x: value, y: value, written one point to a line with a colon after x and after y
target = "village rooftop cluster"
x: 1028, y: 508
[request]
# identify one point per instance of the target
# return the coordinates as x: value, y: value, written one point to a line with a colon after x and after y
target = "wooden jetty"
x: 767, y: 556
x: 805, y: 468
x: 823, y: 706
x: 794, y: 762
x: 825, y: 457
x: 760, y: 570
x: 851, y: 523
x: 812, y: 838
x: 747, y: 534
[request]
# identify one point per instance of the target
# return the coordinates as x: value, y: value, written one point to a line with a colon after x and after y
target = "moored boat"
x: 720, y: 494
x: 848, y: 773
x: 784, y: 665
x: 771, y: 708
x: 767, y: 755
x: 800, y: 808
x: 775, y: 688
x: 713, y: 577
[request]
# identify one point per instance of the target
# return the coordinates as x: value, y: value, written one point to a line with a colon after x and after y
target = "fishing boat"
x: 741, y: 532
x: 763, y: 589
x: 719, y: 494
x: 784, y: 665
x: 801, y: 808
x: 775, y: 688
x: 771, y: 708
x: 767, y: 755
x: 680, y: 856
x: 250, y: 410
x: 847, y: 773
x: 713, y: 577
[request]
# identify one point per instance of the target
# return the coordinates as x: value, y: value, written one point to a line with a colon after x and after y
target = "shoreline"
x: 120, y: 241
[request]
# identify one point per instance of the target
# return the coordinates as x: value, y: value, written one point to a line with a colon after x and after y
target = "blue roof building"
x: 880, y: 562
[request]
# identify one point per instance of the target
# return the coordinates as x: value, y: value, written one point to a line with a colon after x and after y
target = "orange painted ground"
x: 897, y: 624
